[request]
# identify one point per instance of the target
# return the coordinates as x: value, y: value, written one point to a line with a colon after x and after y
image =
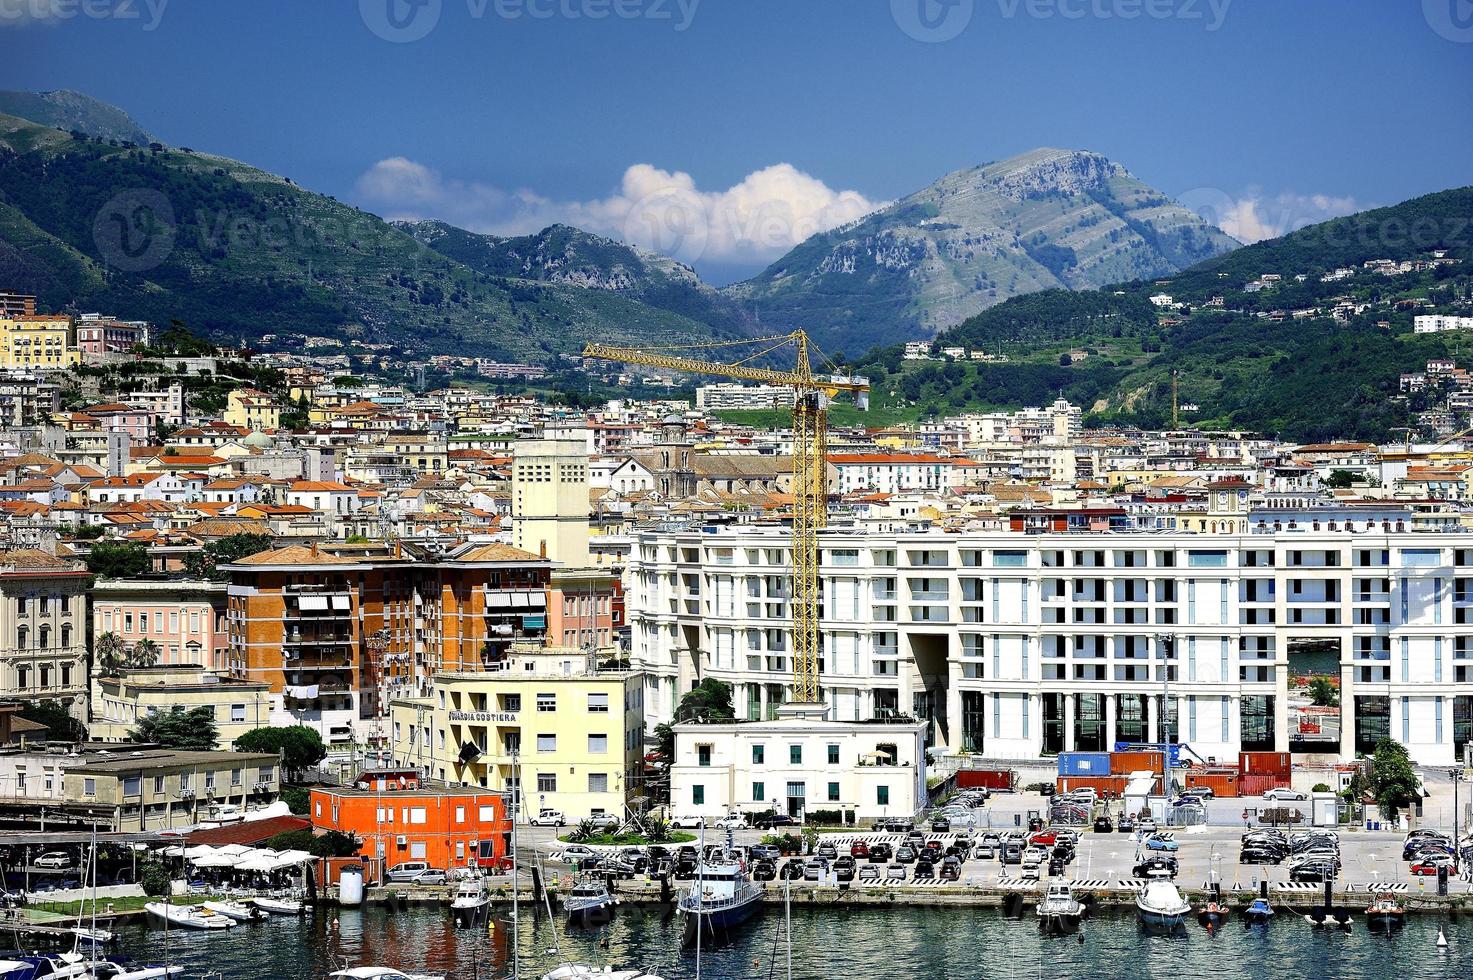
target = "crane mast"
x: 810, y: 470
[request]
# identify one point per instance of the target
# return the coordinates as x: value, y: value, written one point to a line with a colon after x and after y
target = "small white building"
x: 798, y: 764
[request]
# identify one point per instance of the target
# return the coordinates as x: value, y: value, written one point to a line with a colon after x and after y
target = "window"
x: 759, y: 792
x: 235, y: 777
x: 833, y: 792
x: 598, y: 744
x: 546, y: 743
x: 795, y: 755
x: 89, y: 786
x: 158, y: 785
x: 210, y: 779
x: 703, y: 755
x: 882, y: 795
x: 759, y: 755
x: 237, y: 712
x: 698, y: 795
x: 598, y: 702
x: 487, y: 813
x: 1009, y: 559
x: 1207, y: 559
x: 598, y: 782
x: 511, y: 703
x: 833, y: 755
x: 266, y: 774
x: 416, y: 814
x: 132, y: 785
x: 547, y: 782
x: 547, y: 702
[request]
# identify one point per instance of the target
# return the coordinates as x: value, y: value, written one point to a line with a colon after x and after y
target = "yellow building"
x: 38, y: 343
x: 118, y: 702
x: 577, y: 733
x: 252, y: 409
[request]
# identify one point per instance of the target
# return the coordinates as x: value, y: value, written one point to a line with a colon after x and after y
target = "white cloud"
x: 1252, y: 217
x: 755, y: 220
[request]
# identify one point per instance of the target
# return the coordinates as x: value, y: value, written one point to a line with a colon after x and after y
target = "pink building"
x: 184, y: 619
x: 97, y: 335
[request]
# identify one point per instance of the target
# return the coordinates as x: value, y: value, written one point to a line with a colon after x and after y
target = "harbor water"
x: 869, y: 943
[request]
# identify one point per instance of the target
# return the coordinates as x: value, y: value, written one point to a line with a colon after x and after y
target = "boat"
x: 188, y: 916
x: 589, y: 902
x: 1059, y: 911
x: 383, y: 973
x: 113, y: 970
x: 470, y: 902
x: 239, y: 911
x: 279, y: 904
x: 582, y: 971
x: 1385, y: 913
x: 1213, y: 915
x: 1160, y: 906
x: 42, y: 967
x: 722, y: 897
x: 1258, y: 912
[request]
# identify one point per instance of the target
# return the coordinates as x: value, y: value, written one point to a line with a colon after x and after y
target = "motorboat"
x: 470, y: 902
x: 1258, y: 912
x: 63, y: 967
x: 1213, y: 915
x: 279, y: 904
x: 1059, y: 911
x: 1385, y: 912
x: 589, y: 902
x: 188, y: 916
x: 383, y: 973
x: 582, y: 971
x: 1160, y: 906
x: 112, y: 970
x: 721, y: 897
x: 239, y: 911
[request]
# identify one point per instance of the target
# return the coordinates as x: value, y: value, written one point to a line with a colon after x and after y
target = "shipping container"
x: 1258, y: 784
x: 997, y: 780
x: 1084, y: 764
x: 1105, y: 787
x: 1136, y: 760
x: 1222, y: 782
x: 1265, y: 763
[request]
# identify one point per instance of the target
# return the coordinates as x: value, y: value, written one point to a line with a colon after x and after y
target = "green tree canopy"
x: 60, y: 725
x: 1394, y: 782
x: 233, y: 547
x: 1323, y: 693
x: 190, y: 729
x: 300, y: 747
x: 118, y: 559
x: 110, y: 653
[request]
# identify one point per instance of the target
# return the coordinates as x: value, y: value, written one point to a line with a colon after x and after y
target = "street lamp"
x: 1167, y: 644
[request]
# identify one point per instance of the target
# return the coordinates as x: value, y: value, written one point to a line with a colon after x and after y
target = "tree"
x: 145, y: 653
x: 1339, y: 479
x: 1394, y: 782
x: 60, y: 725
x: 708, y: 702
x: 297, y: 799
x: 154, y: 878
x: 335, y: 843
x: 190, y: 729
x: 1323, y: 693
x: 204, y: 564
x: 118, y: 559
x: 300, y: 747
x: 110, y: 653
x: 1065, y: 360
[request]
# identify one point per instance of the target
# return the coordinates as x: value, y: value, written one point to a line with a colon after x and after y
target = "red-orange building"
x: 446, y: 827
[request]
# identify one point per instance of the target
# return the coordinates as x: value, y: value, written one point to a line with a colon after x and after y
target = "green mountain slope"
x: 237, y: 252
x: 1045, y: 219
x: 74, y: 112
x: 1309, y: 354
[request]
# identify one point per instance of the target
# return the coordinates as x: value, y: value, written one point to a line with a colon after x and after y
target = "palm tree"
x: 109, y: 651
x: 145, y: 654
x: 584, y: 832
x: 657, y: 830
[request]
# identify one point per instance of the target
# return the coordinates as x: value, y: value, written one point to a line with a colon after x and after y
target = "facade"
x: 184, y: 619
x: 1437, y: 323
x: 1015, y: 645
x: 38, y: 342
x: 159, y: 789
x: 98, y: 336
x: 794, y: 766
x: 730, y: 395
x: 118, y: 702
x: 43, y: 627
x: 447, y: 827
x: 576, y: 734
x: 252, y: 410
x: 549, y: 500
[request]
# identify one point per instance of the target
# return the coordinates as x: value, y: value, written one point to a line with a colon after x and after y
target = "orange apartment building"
x: 339, y: 632
x: 446, y: 827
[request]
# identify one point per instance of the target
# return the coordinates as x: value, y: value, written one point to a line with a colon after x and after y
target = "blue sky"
x: 511, y: 113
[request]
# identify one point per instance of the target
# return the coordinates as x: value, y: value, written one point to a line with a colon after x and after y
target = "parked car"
x: 792, y: 869
x: 827, y: 851
x: 54, y: 859
x: 905, y: 854
x: 868, y: 873
x: 1202, y: 792
x: 1431, y: 863
x: 765, y: 852
x: 408, y: 871
x: 1125, y: 825
x: 881, y: 852
x: 859, y: 849
x: 813, y: 870
x: 1103, y: 824
x: 1161, y: 842
x: 1283, y: 794
x: 605, y: 821
x: 951, y: 869
x: 764, y: 870
x: 767, y: 821
x: 732, y: 821
x: 1156, y: 866
x: 844, y: 869
x: 895, y: 871
x: 549, y: 818
x: 578, y: 852
x: 687, y: 823
x: 434, y: 876
x: 925, y: 868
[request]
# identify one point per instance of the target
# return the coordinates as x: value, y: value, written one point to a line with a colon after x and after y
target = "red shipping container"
x: 1004, y: 780
x: 1105, y: 787
x: 1257, y: 785
x: 1140, y: 760
x: 1222, y: 782
x: 1262, y: 763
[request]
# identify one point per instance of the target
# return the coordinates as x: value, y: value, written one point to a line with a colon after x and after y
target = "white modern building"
x: 729, y: 395
x: 795, y: 766
x: 1437, y: 323
x: 1012, y: 645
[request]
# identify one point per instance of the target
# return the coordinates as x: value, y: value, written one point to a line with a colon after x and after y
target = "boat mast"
x: 700, y: 895
x: 516, y: 932
x: 788, y: 919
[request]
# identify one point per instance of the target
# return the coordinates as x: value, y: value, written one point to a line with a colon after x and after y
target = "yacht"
x: 188, y: 916
x: 470, y: 902
x: 589, y: 903
x: 239, y: 911
x: 1160, y: 906
x: 721, y: 897
x: 382, y: 973
x: 110, y: 970
x: 1213, y: 915
x: 1059, y: 911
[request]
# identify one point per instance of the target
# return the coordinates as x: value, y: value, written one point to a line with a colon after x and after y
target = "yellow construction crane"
x: 811, y: 394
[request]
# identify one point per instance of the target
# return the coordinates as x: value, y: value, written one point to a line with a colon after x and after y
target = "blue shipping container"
x: 1084, y: 763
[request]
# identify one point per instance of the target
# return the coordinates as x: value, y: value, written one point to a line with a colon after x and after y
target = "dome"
x: 258, y: 440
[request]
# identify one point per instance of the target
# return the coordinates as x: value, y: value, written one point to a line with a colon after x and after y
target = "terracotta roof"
x: 248, y: 832
x: 30, y: 559
x: 295, y: 555
x: 497, y: 552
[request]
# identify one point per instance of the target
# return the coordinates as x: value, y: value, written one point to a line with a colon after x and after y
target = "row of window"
x: 133, y: 785
x: 797, y: 792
